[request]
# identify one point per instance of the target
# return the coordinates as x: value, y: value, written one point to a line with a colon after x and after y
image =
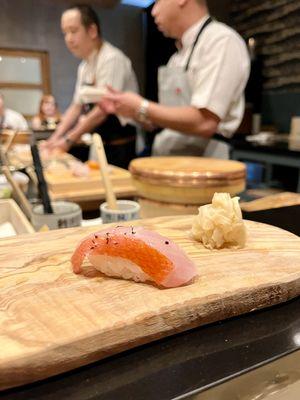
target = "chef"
x: 201, y: 90
x: 102, y: 64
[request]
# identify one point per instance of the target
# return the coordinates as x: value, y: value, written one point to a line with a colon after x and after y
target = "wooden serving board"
x: 19, y: 156
x: 89, y: 192
x: 22, y: 137
x: 66, y: 181
x: 284, y: 199
x: 53, y: 320
x: 11, y: 212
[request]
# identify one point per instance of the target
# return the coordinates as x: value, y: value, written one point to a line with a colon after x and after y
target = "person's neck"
x: 94, y: 49
x: 191, y: 17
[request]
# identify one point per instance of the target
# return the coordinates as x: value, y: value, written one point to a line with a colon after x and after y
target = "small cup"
x: 65, y: 215
x: 127, y: 211
x: 295, y: 127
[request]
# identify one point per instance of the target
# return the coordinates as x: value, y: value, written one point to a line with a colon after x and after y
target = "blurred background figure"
x: 10, y: 119
x: 49, y: 116
x: 200, y: 90
x: 102, y: 65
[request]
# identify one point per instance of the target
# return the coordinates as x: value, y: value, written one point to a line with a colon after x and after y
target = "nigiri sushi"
x: 135, y: 253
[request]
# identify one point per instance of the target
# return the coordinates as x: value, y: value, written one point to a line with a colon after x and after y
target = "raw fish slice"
x: 135, y: 253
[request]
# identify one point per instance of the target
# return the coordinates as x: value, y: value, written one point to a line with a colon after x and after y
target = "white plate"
x: 90, y: 94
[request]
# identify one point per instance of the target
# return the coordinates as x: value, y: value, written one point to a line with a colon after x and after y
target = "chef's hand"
x: 50, y: 142
x: 55, y: 144
x: 125, y: 104
x: 61, y: 144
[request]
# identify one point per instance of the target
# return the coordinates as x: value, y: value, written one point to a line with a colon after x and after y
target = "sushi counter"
x: 180, y: 366
x: 92, y: 337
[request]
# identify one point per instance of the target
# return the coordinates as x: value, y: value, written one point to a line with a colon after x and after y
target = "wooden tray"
x: 22, y: 137
x: 53, y: 321
x: 21, y: 158
x: 11, y: 212
x: 284, y: 199
x: 66, y: 182
x: 90, y: 192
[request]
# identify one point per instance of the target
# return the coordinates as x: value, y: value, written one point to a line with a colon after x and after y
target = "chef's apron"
x: 175, y: 90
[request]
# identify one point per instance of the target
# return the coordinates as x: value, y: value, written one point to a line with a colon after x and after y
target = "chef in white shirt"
x: 102, y: 64
x: 11, y: 119
x: 201, y: 90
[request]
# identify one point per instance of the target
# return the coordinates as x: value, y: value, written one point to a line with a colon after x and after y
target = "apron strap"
x: 206, y: 23
x: 221, y: 138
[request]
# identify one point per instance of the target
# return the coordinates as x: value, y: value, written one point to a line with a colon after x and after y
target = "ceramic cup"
x: 295, y: 127
x: 127, y: 211
x: 65, y: 215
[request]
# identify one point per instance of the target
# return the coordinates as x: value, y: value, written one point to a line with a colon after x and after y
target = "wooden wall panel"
x: 275, y: 24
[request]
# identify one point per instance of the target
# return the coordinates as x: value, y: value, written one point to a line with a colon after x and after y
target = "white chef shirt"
x: 218, y: 72
x: 14, y: 120
x: 108, y: 66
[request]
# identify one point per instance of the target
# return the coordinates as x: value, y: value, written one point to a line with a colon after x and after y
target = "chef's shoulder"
x: 110, y: 53
x: 218, y: 32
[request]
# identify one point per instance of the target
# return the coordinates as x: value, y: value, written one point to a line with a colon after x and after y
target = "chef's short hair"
x: 88, y: 16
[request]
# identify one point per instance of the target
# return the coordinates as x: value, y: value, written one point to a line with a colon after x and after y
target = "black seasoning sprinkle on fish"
x: 132, y: 231
x: 92, y: 248
x: 96, y: 237
x: 166, y: 242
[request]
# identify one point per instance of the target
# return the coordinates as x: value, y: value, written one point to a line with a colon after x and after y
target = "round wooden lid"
x: 186, y: 171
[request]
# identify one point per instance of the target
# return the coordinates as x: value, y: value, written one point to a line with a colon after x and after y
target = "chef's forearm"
x: 87, y: 124
x: 68, y: 120
x: 187, y: 119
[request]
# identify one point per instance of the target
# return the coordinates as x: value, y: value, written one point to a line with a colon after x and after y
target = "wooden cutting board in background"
x: 53, y: 320
x: 61, y: 183
x: 89, y: 191
x: 284, y: 199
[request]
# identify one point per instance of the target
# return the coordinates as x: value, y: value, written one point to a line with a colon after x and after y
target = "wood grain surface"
x: 86, y: 189
x: 277, y: 200
x: 186, y: 180
x: 62, y: 182
x: 53, y: 320
x: 20, y: 156
x: 11, y: 212
x: 275, y: 26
